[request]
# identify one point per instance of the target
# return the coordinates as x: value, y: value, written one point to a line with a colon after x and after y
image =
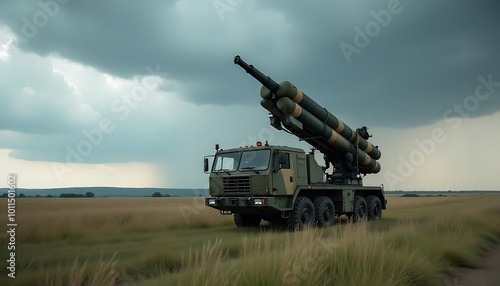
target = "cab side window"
x: 282, y: 160
x: 285, y: 160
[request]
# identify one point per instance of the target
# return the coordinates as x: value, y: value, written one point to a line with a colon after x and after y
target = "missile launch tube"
x: 262, y: 78
x: 287, y: 106
x: 286, y: 89
x: 265, y: 93
x: 268, y: 104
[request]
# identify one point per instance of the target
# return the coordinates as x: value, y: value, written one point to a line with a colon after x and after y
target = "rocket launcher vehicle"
x: 347, y: 149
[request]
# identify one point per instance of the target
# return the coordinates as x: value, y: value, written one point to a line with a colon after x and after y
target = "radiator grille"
x: 236, y: 184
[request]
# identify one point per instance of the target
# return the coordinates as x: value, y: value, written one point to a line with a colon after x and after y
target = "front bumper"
x: 244, y: 204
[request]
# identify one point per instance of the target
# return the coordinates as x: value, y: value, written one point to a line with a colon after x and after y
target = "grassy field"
x: 179, y: 241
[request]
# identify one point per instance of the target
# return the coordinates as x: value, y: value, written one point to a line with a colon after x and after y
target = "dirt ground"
x: 488, y: 275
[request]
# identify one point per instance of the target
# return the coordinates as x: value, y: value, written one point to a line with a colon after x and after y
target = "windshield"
x: 257, y: 160
x: 226, y: 162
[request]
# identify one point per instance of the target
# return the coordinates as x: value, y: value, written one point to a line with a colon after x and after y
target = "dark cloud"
x: 423, y: 62
x: 35, y: 99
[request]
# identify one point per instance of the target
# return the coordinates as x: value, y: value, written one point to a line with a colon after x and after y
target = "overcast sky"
x: 135, y: 93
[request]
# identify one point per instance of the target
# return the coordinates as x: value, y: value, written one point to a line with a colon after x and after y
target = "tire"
x: 324, y: 211
x: 374, y: 208
x: 302, y: 214
x: 246, y: 220
x: 360, y: 209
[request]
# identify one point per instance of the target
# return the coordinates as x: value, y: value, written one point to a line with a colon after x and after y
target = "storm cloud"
x: 385, y: 64
x: 421, y: 61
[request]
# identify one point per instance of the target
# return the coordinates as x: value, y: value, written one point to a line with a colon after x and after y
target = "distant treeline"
x: 159, y: 195
x: 110, y: 192
x: 86, y: 195
x: 63, y: 195
x: 21, y: 195
x: 85, y: 192
x: 417, y: 195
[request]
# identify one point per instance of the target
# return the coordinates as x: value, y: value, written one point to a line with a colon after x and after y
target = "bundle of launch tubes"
x: 286, y: 99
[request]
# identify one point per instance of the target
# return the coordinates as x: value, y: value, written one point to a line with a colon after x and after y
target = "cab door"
x: 284, y: 177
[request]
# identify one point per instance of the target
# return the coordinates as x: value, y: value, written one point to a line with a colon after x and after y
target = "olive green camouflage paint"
x: 286, y: 89
x: 282, y: 190
x: 265, y: 93
x: 282, y: 182
x: 287, y: 106
x: 258, y: 182
x: 277, y: 183
x: 348, y: 199
x: 304, y: 177
x: 268, y: 104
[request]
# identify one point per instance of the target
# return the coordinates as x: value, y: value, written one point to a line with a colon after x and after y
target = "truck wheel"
x: 325, y: 211
x: 374, y: 208
x: 360, y: 209
x: 302, y: 214
x: 246, y: 220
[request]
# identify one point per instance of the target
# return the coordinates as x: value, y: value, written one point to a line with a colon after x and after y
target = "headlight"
x: 212, y: 202
x: 259, y: 202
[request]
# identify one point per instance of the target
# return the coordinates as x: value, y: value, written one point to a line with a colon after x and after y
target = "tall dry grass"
x: 411, y: 253
x: 442, y: 233
x: 55, y: 219
x: 102, y: 273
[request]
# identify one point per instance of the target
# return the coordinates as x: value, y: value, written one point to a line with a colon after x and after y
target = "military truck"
x: 286, y: 186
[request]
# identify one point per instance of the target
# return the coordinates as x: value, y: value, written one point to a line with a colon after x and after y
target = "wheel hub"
x: 328, y: 214
x: 305, y: 215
